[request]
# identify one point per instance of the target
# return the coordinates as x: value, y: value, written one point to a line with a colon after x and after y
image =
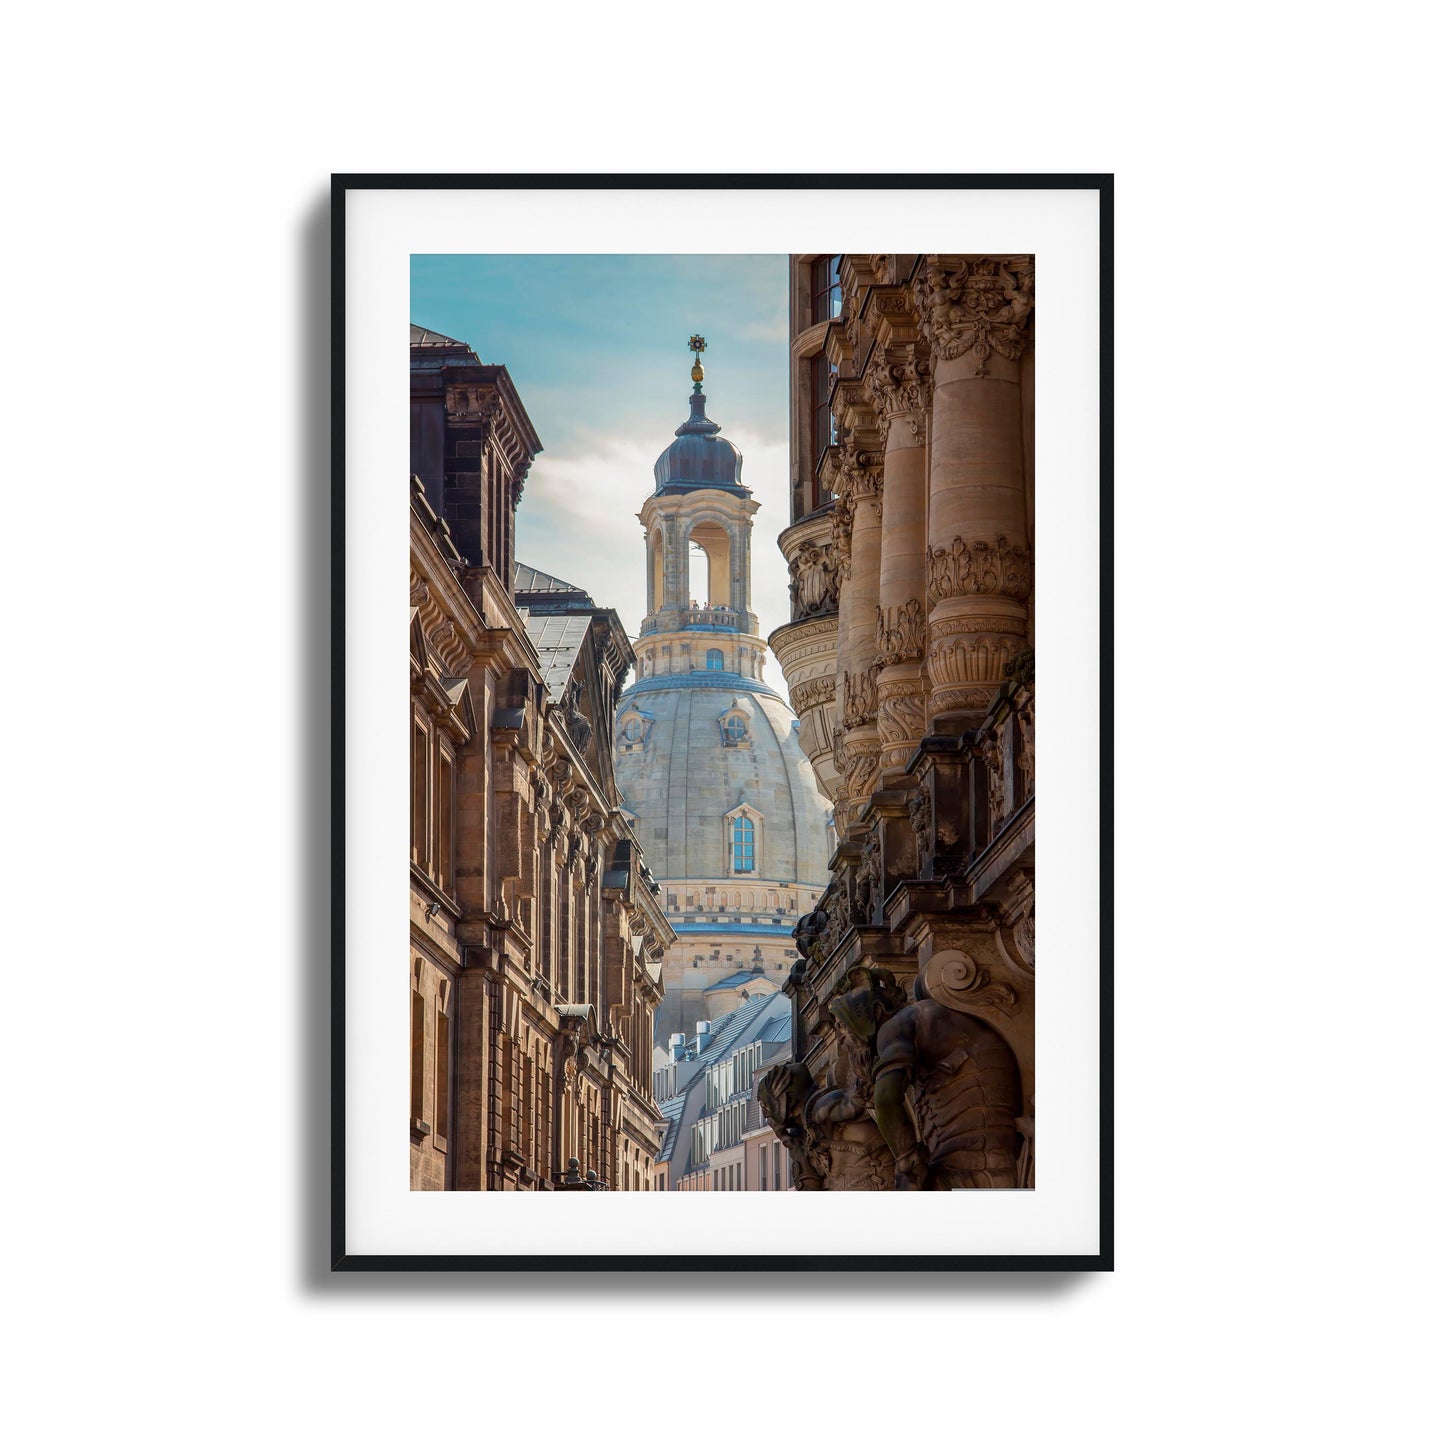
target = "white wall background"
x: 164, y: 583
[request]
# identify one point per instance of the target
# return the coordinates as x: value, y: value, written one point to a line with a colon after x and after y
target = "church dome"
x: 696, y: 755
x: 700, y: 457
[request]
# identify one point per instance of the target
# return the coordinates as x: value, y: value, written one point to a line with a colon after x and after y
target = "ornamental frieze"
x: 982, y: 308
x: 902, y: 631
x: 472, y: 406
x: 961, y: 699
x: 967, y: 658
x: 819, y: 691
x: 979, y: 567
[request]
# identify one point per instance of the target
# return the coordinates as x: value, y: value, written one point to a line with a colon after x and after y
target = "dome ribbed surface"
x: 684, y: 782
x: 700, y: 457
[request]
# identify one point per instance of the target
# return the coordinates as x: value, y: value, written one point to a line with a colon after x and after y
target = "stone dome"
x: 695, y: 753
x: 700, y: 457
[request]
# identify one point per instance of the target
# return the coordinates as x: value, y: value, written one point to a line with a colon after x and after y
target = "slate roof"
x: 420, y: 336
x: 753, y: 1020
x: 526, y: 580
x: 558, y: 640
x: 672, y: 1112
x: 744, y: 975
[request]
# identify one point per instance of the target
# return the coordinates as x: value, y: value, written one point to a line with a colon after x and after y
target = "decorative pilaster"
x: 899, y: 380
x: 975, y: 312
x: 861, y: 482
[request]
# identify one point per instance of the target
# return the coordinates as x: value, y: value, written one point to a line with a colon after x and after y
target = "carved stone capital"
x: 860, y: 473
x: 981, y: 308
x: 899, y: 382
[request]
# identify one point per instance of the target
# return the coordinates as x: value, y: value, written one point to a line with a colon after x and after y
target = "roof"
x: 743, y: 975
x: 672, y: 1112
x: 532, y: 580
x: 558, y: 640
x: 420, y: 336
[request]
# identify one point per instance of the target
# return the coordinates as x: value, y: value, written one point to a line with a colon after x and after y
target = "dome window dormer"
x: 633, y: 728
x: 733, y: 725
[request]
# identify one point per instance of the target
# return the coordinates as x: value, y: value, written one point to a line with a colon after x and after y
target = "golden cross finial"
x: 697, y: 345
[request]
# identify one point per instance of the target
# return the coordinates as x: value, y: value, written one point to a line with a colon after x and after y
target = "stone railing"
x: 678, y: 619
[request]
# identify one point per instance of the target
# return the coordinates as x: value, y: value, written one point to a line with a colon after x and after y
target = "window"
x: 418, y: 1052
x: 445, y: 839
x: 442, y: 1112
x: 742, y: 845
x: 714, y: 660
x: 827, y: 292
x: 735, y: 730
x: 419, y: 850
x: 825, y: 431
x: 777, y: 1166
x: 631, y: 730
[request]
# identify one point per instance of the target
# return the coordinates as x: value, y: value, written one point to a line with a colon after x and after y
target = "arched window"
x: 735, y: 729
x: 714, y: 660
x: 742, y: 845
x: 631, y: 730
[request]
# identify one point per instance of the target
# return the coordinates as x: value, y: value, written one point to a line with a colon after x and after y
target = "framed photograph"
x: 695, y: 783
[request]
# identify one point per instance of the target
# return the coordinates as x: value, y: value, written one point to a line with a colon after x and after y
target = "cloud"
x: 578, y: 521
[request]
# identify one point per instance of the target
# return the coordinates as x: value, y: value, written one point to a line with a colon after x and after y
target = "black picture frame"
x: 341, y: 1259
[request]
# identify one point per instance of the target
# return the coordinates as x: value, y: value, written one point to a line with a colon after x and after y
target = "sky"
x: 597, y: 348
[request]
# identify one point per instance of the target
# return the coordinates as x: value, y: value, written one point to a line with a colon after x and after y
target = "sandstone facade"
x: 536, y: 932
x: 909, y: 660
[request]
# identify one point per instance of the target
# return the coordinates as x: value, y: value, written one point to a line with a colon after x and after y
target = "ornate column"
x: 807, y: 647
x: 898, y: 379
x: 860, y: 513
x: 975, y: 313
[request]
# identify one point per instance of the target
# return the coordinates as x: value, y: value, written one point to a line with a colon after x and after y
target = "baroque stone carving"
x: 957, y: 979
x: 859, y: 768
x: 993, y: 761
x: 842, y: 548
x: 860, y: 472
x: 811, y: 694
x: 900, y: 712
x: 860, y: 698
x: 902, y: 631
x: 869, y: 880
x: 982, y: 308
x: 898, y: 383
x: 578, y: 727
x: 814, y: 580
x: 945, y: 1086
x: 920, y: 818
x: 474, y: 406
x: 979, y: 567
x: 1025, y: 758
x: 961, y: 660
